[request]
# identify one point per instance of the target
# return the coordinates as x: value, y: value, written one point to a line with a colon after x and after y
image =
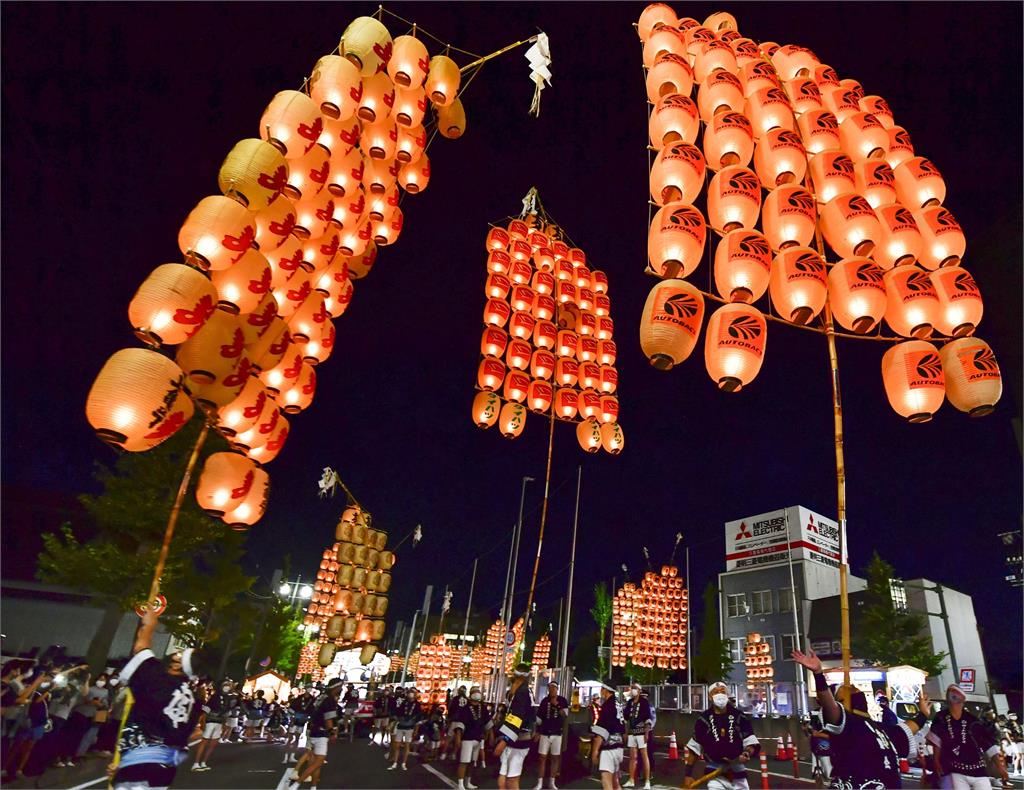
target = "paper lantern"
x: 746, y: 51
x: 586, y: 323
x: 377, y: 100
x: 490, y: 374
x: 588, y: 433
x: 856, y: 293
x: 414, y: 176
x: 567, y: 343
x: 734, y: 345
x: 825, y: 77
x: 308, y: 174
x: 544, y: 307
x: 720, y: 92
x: 670, y: 323
x: 299, y: 395
x: 960, y: 305
x: 779, y: 158
x: 607, y: 352
x: 312, y: 215
x: 325, y: 655
x: 913, y: 378
x: 566, y: 403
x: 380, y: 139
x: 878, y: 107
x: 253, y: 505
x: 609, y: 381
x: 900, y: 146
x: 254, y: 173
x: 336, y: 86
x: 542, y: 364
x: 539, y: 396
x: 677, y: 174
x: 410, y: 106
x: 138, y: 400
x: 283, y: 375
x: 758, y: 75
x: 543, y: 283
x: 798, y: 284
x: 518, y: 354
x: 973, y: 381
x: 360, y: 266
x: 792, y: 61
x: 512, y: 419
x: 804, y: 96
x: 863, y: 137
x: 874, y: 180
x: 819, y: 129
x: 409, y: 62
x: 523, y: 297
x: 605, y: 328
x: 521, y: 324
x: 589, y: 375
x: 410, y: 144
x: 711, y: 56
x: 900, y: 242
x: 912, y: 306
x: 728, y: 140
x: 274, y: 225
x: 451, y: 120
x: 673, y: 119
x: 267, y: 352
x: 850, y: 225
x: 367, y: 43
x: 497, y: 286
x: 225, y: 482
x: 242, y: 287
x: 734, y: 199
x: 654, y: 16
x: 216, y: 233
x: 442, y: 84
x: 387, y: 231
x: 919, y: 183
x: 378, y: 175
x: 214, y: 351
x: 832, y: 175
x: 942, y: 240
x: 841, y: 102
x: 612, y: 438
x: 609, y: 408
x: 670, y: 74
x: 767, y: 109
x: 743, y: 261
x: 545, y: 335
x: 663, y: 41
x: 565, y: 292
x: 291, y: 123
x: 319, y: 350
x: 273, y: 435
x: 243, y: 412
x: 675, y: 242
x: 171, y: 305
x: 566, y: 371
x: 341, y: 136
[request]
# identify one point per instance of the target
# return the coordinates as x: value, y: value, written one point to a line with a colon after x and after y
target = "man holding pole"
x: 551, y: 721
x: 724, y: 739
x: 608, y: 731
x: 515, y: 732
x: 638, y: 726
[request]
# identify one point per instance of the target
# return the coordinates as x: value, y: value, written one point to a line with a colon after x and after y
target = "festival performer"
x: 551, y: 715
x: 215, y: 711
x: 865, y: 754
x: 301, y: 706
x: 724, y: 739
x: 408, y: 716
x: 638, y: 725
x: 455, y: 727
x: 608, y: 730
x: 154, y: 740
x: 381, y: 702
x: 515, y: 734
x: 475, y: 717
x: 961, y: 746
x: 323, y: 720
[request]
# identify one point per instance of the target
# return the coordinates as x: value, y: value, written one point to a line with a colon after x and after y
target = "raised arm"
x: 144, y: 636
x: 830, y: 709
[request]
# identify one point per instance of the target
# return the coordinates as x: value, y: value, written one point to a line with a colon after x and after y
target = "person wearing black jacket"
x: 606, y: 747
x: 551, y: 722
x: 453, y: 741
x: 638, y: 725
x: 323, y: 728
x: 408, y: 716
x: 724, y: 739
x: 961, y: 746
x: 474, y: 717
x: 215, y: 710
x: 515, y: 732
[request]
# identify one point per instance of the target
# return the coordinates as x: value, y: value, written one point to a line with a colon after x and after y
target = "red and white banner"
x: 764, y: 540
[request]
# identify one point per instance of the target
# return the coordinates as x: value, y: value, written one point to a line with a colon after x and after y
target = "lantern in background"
x: 919, y: 183
x: 486, y: 406
x: 743, y: 262
x: 377, y: 99
x: 171, y: 304
x: 900, y: 242
x: 451, y: 120
x: 309, y: 173
x: 346, y: 172
x: 863, y: 137
x: 670, y: 323
x: 380, y: 139
x: 516, y: 384
x: 798, y: 284
x: 336, y: 86
x: 212, y: 352
x: 960, y: 305
x: 367, y: 43
x: 410, y: 106
x: 291, y: 123
x: 299, y: 395
x: 789, y: 217
x: 588, y: 433
x: 542, y: 364
x: 519, y: 354
x: 274, y: 225
x: 942, y: 240
x: 676, y: 240
x: 280, y: 377
x: 677, y: 174
x: 612, y: 438
x: 225, y: 482
x: 912, y: 306
x: 566, y: 371
x: 850, y: 225
x: 409, y: 62
x: 913, y: 378
x: 512, y: 419
x: 254, y: 173
x: 266, y: 352
x: 442, y: 84
x: 138, y: 400
x: 728, y: 140
x: 243, y: 412
x: 792, y: 61
x: 734, y: 199
x: 878, y: 107
x: 414, y: 176
x: 973, y: 381
x: 779, y: 158
x: 734, y: 345
x: 874, y: 180
x: 856, y: 292
x: 317, y: 351
x: 663, y: 41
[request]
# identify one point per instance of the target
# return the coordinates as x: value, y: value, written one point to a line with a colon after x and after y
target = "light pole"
x: 506, y: 609
x: 564, y: 658
x: 942, y: 615
x: 295, y: 590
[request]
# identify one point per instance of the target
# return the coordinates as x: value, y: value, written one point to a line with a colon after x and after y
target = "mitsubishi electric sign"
x: 763, y: 541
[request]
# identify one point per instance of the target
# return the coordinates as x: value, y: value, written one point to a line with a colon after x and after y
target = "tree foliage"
x: 887, y: 636
x: 712, y: 660
x: 601, y: 611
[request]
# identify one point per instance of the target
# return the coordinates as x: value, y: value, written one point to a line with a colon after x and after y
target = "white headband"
x: 186, y: 662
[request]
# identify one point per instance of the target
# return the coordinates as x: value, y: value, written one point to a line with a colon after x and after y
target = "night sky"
x: 116, y: 120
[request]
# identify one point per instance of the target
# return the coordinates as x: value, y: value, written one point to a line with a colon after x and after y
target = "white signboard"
x: 765, y: 540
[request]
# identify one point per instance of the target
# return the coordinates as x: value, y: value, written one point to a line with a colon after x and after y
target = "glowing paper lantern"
x: 309, y: 173
x: 216, y: 233
x: 758, y: 75
x: 856, y: 292
x: 654, y: 16
x: 779, y: 158
x: 913, y: 378
x: 942, y: 240
x: 336, y: 86
x: 243, y: 412
x: 512, y: 419
x: 743, y: 261
x: 792, y: 61
x: 566, y: 403
x: 284, y: 374
x: 973, y: 381
x: 486, y: 406
x: 874, y: 179
x: 299, y: 395
x: 377, y: 100
x: 490, y: 374
x: 319, y: 350
x: 545, y: 335
x: 850, y: 225
x: 171, y: 304
x: 414, y: 176
x: 728, y: 140
x: 566, y: 371
x: 863, y: 137
x: 254, y: 173
x: 518, y: 354
x: 819, y: 130
x: 274, y: 225
x: 367, y: 43
x: 494, y: 342
x: 670, y: 323
x: 609, y: 408
x: 442, y: 84
x: 312, y: 215
x: 410, y: 106
x: 138, y: 400
x: 663, y: 41
x: 900, y: 243
x: 539, y: 396
x: 409, y: 62
x: 214, y: 351
x: 451, y: 120
x: 711, y: 56
x: 842, y: 102
x: 767, y: 109
x: 720, y: 92
x: 612, y: 438
x: 960, y: 305
x: 912, y: 306
x: 734, y: 199
x: 919, y: 183
x: 225, y: 482
x: 542, y: 364
x: 878, y: 107
x: 675, y: 242
x: 670, y: 74
x: 588, y: 433
x: 900, y: 146
x: 291, y: 123
x: 798, y: 284
x: 832, y: 174
x: 380, y: 139
x: 267, y: 352
x: 673, y: 119
x: 734, y: 345
x: 677, y: 174
x: 242, y: 287
x: 804, y: 96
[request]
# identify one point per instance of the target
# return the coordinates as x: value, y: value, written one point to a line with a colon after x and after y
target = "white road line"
x: 284, y: 781
x: 440, y: 775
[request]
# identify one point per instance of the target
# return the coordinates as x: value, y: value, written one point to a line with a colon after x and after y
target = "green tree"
x: 712, y: 660
x: 887, y: 636
x: 602, y: 614
x: 278, y: 636
x: 114, y: 554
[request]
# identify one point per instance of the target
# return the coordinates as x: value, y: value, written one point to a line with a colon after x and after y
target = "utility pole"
x: 507, y: 607
x: 469, y: 606
x: 426, y: 612
x: 563, y: 660
x: 408, y: 647
x: 799, y: 695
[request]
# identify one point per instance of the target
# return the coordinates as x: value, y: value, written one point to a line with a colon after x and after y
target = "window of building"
x: 899, y: 595
x: 762, y: 602
x: 736, y: 605
x: 770, y: 639
x: 789, y: 644
x: 736, y: 649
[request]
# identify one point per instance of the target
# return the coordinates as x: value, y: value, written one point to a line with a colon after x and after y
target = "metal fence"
x: 777, y: 699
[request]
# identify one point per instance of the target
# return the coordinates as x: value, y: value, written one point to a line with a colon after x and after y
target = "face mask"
x: 476, y: 695
x: 100, y: 683
x: 720, y: 700
x: 634, y: 693
x: 225, y: 689
x: 114, y: 681
x: 45, y: 684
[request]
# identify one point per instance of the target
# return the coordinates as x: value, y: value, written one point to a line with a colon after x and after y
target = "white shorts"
x: 380, y: 721
x: 455, y: 725
x: 637, y: 741
x: 403, y: 736
x: 961, y: 782
x: 550, y: 744
x: 319, y: 746
x: 213, y: 730
x: 231, y: 723
x: 469, y: 752
x: 611, y: 759
x: 512, y: 761
x: 723, y: 783
x: 295, y: 729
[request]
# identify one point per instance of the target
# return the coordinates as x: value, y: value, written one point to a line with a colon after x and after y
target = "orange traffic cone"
x: 790, y: 747
x: 904, y: 765
x: 673, y: 747
x: 780, y: 750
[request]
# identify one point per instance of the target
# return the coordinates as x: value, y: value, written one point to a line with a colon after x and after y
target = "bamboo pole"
x: 502, y: 51
x: 543, y: 520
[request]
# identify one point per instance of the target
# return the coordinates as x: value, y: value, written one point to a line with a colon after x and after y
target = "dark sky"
x: 117, y: 117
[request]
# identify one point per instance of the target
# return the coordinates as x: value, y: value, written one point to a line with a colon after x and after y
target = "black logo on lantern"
x: 918, y: 282
x: 756, y: 245
x: 681, y: 305
x: 929, y: 367
x: 869, y: 273
x: 985, y: 360
x: 745, y: 327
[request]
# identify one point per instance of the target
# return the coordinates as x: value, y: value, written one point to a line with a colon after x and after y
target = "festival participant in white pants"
x: 606, y: 747
x: 215, y: 709
x: 724, y: 739
x: 323, y: 723
x: 474, y: 717
x: 638, y: 726
x: 408, y: 716
x: 961, y: 746
x: 301, y: 706
x: 515, y: 730
x: 550, y: 724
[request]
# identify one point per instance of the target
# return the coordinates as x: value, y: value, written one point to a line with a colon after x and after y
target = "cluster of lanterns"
x: 541, y: 655
x: 268, y: 263
x: 349, y: 598
x: 649, y: 622
x: 793, y: 150
x: 548, y: 339
x: 758, y: 660
x: 434, y: 670
x: 308, y: 664
x: 485, y: 658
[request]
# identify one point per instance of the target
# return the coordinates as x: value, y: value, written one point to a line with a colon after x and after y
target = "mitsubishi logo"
x: 744, y: 531
x: 810, y: 524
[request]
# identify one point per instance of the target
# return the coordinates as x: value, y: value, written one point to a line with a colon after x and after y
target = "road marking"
x: 285, y: 780
x: 440, y: 775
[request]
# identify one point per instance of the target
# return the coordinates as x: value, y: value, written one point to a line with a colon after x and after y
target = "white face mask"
x: 114, y: 681
x: 100, y: 683
x: 720, y: 700
x: 634, y: 693
x: 225, y: 689
x: 476, y: 695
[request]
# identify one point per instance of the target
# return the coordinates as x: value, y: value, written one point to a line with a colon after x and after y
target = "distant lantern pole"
x: 852, y: 227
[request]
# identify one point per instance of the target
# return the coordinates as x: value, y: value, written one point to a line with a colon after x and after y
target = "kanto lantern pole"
x: 563, y: 660
x: 543, y: 520
x: 172, y: 520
